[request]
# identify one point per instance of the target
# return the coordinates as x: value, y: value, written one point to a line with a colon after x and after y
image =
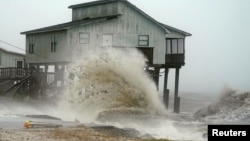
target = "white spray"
x: 110, y: 80
x: 110, y: 86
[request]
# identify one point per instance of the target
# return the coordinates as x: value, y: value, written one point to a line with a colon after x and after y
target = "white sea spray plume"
x: 110, y: 80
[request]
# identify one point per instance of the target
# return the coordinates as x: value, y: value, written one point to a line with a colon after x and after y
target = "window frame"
x: 53, y: 43
x: 0, y: 58
x: 31, y: 44
x: 19, y: 64
x: 99, y: 10
x: 143, y: 40
x: 179, y: 47
x: 109, y: 9
x: 84, y: 38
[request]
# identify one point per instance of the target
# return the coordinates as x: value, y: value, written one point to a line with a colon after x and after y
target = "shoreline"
x: 75, y: 133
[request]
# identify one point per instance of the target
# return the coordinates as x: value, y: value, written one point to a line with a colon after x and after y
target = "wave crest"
x: 231, y: 105
x: 105, y: 80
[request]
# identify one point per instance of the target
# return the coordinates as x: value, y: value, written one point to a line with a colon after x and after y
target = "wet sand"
x: 78, y: 133
x: 61, y: 134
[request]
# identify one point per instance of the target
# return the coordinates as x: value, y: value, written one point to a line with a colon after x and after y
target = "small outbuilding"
x: 9, y: 59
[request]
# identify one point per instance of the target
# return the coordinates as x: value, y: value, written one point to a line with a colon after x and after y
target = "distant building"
x: 9, y: 59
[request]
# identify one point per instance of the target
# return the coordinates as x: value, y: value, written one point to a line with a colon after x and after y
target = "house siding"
x: 124, y: 30
x: 42, y: 48
x: 137, y: 24
x: 96, y: 32
x: 9, y: 59
x: 95, y: 11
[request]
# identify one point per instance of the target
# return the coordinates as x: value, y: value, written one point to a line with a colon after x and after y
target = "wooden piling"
x: 165, y: 90
x: 176, y: 97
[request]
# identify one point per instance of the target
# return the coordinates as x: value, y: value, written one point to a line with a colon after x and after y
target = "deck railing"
x: 175, y: 59
x: 11, y: 73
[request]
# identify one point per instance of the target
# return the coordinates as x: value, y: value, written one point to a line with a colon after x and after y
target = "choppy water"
x: 110, y: 87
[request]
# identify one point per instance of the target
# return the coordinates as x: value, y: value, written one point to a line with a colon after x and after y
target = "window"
x: 53, y: 43
x: 83, y: 38
x: 168, y: 46
x: 0, y: 58
x: 143, y: 40
x: 89, y: 11
x: 180, y: 46
x: 110, y: 10
x: 31, y: 44
x: 19, y: 64
x: 99, y: 10
x: 175, y: 46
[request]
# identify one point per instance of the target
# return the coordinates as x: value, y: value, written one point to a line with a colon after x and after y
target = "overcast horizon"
x: 217, y: 53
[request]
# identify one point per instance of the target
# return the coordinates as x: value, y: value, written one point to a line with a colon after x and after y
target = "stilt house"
x: 106, y: 23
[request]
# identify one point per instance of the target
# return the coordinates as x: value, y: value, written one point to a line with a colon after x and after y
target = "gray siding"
x: 8, y: 59
x: 95, y: 11
x: 42, y: 48
x: 124, y: 31
x: 137, y: 24
x: 96, y: 32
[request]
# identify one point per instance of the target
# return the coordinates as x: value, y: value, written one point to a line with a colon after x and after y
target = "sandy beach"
x: 60, y: 134
x: 79, y: 133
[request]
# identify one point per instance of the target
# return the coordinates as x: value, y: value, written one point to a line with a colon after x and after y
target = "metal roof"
x: 163, y: 26
x: 11, y: 52
x: 65, y: 26
x: 177, y: 30
x: 98, y: 2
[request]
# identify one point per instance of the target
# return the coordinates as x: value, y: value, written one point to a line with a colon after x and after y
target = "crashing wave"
x: 232, y: 105
x: 110, y: 80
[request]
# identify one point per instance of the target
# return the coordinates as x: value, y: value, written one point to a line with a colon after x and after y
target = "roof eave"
x: 91, y: 3
x: 130, y: 4
x: 147, y: 16
x: 35, y: 32
x: 68, y: 25
x: 11, y: 52
x: 175, y: 29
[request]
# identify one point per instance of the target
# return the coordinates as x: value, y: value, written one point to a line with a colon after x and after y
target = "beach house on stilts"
x: 116, y: 23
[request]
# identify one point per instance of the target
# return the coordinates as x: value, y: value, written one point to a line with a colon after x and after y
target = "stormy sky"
x: 217, y: 53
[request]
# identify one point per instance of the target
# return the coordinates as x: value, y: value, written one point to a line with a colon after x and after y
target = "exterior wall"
x: 174, y: 34
x: 137, y: 24
x: 9, y: 59
x: 42, y: 48
x: 96, y: 32
x: 124, y: 31
x: 95, y: 11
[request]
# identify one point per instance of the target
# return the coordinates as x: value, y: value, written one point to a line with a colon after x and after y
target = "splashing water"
x: 109, y: 81
x: 111, y: 86
x: 232, y: 106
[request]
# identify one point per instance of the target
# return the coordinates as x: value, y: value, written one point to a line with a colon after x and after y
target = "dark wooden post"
x: 176, y: 97
x: 56, y: 73
x: 165, y: 90
x: 63, y: 70
x: 156, y: 76
x: 44, y: 80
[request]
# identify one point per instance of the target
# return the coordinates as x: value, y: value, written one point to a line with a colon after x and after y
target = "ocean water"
x: 105, y: 87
